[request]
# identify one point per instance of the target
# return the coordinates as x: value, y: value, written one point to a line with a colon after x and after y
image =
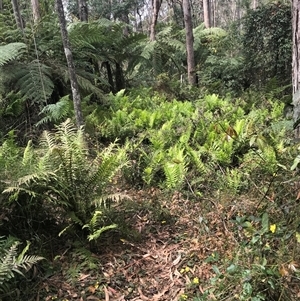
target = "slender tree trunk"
x: 156, y: 4
x: 35, y: 10
x: 83, y: 10
x: 189, y: 42
x: 109, y: 76
x: 296, y: 66
x: 70, y: 62
x: 207, y: 13
x: 17, y: 14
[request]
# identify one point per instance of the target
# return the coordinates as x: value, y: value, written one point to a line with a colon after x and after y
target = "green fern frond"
x: 36, y: 83
x: 96, y: 222
x: 11, y: 262
x: 33, y: 80
x: 96, y: 234
x: 56, y: 112
x: 11, y: 52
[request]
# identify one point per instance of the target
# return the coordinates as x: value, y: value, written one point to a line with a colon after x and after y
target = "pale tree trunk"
x: 35, y: 10
x: 207, y: 13
x: 156, y: 4
x: 17, y: 14
x: 189, y: 42
x: 254, y: 4
x: 83, y: 10
x: 296, y: 66
x: 70, y: 62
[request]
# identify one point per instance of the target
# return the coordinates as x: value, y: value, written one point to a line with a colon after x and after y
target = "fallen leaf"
x: 176, y: 261
x: 83, y: 276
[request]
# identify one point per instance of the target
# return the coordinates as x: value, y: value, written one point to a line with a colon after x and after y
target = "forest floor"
x: 172, y: 254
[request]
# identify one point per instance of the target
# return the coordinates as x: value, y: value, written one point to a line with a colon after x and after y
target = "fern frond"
x: 11, y: 262
x: 114, y: 197
x: 56, y: 112
x: 95, y: 222
x: 32, y: 80
x: 11, y: 52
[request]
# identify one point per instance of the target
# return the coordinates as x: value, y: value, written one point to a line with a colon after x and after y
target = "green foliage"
x: 256, y: 271
x: 65, y: 174
x: 11, y: 52
x: 267, y: 43
x: 56, y: 112
x: 95, y: 226
x: 12, y: 262
x: 185, y: 142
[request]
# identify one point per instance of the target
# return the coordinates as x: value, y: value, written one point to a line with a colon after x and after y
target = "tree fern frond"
x: 11, y: 52
x: 56, y: 112
x: 85, y: 84
x: 35, y: 82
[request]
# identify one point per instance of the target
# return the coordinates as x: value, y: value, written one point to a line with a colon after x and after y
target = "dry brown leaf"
x: 92, y: 289
x: 177, y: 260
x: 283, y: 271
x: 106, y: 293
x: 83, y: 276
x: 142, y: 296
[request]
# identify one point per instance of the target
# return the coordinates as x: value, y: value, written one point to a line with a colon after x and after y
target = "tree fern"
x: 56, y: 112
x: 11, y: 52
x: 32, y: 80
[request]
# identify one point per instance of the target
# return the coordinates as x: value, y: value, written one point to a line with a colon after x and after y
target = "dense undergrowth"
x: 68, y: 189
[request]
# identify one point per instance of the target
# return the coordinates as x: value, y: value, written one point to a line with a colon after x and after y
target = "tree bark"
x: 189, y: 42
x: 83, y: 10
x: 35, y: 10
x: 296, y: 66
x: 156, y: 4
x: 70, y: 62
x: 207, y: 13
x: 17, y: 14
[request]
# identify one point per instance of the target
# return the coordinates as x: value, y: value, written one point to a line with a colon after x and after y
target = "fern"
x: 175, y: 168
x: 11, y: 262
x: 95, y: 226
x: 56, y: 112
x: 11, y: 52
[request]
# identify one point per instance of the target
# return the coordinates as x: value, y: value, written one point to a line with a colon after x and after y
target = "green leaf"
x: 231, y: 269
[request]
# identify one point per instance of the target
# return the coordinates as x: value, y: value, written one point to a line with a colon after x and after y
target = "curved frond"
x: 56, y: 112
x: 11, y: 52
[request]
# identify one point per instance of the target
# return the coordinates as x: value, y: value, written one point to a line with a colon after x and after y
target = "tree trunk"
x: 296, y: 66
x: 70, y: 62
x: 207, y: 13
x: 17, y: 14
x: 35, y: 10
x: 156, y: 4
x: 109, y: 76
x: 189, y: 42
x: 83, y: 10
